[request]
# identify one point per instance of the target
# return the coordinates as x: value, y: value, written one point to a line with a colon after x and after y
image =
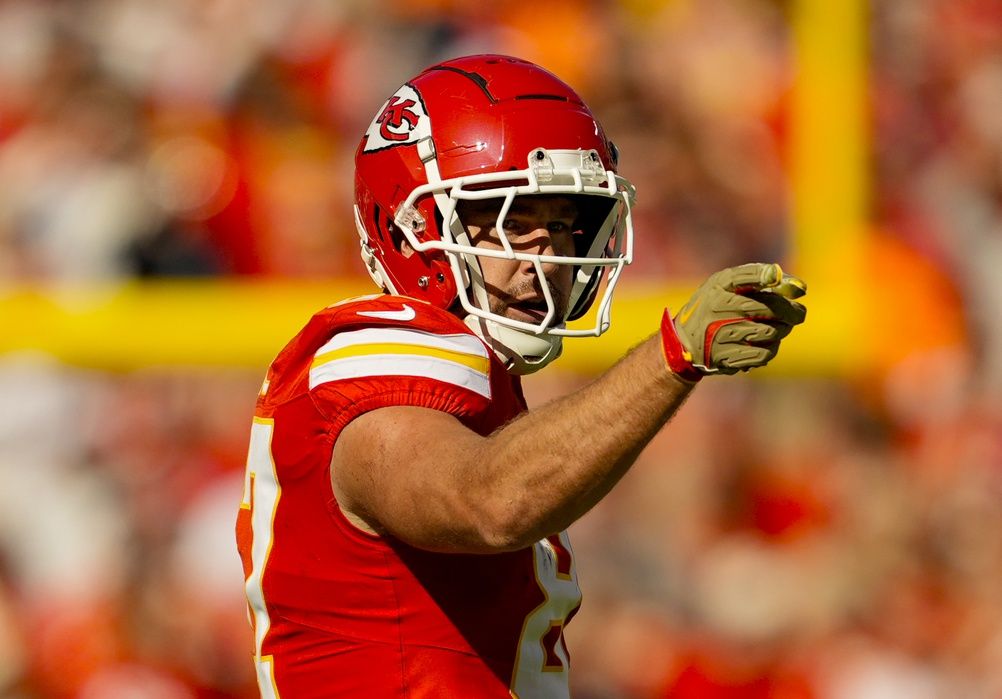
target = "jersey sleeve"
x: 362, y: 369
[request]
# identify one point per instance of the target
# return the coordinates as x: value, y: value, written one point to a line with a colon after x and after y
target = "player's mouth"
x: 530, y: 311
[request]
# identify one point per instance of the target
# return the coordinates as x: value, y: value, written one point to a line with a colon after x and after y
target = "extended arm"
x: 422, y: 476
x: 427, y: 479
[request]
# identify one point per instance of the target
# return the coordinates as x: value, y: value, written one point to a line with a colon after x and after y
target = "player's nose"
x: 544, y: 267
x: 540, y: 241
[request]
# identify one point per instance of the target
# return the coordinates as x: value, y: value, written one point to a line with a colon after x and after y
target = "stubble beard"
x: 500, y: 303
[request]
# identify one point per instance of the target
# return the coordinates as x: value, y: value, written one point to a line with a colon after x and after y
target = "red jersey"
x: 338, y: 612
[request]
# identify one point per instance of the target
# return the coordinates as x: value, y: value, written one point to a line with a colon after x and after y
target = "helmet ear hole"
x: 400, y: 242
x: 390, y: 232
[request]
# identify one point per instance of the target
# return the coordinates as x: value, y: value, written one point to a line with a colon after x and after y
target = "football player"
x: 403, y: 527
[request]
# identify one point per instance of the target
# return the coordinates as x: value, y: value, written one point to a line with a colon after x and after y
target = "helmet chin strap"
x: 521, y: 352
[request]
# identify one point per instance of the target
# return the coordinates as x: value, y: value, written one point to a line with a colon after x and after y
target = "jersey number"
x: 255, y: 532
x: 541, y: 662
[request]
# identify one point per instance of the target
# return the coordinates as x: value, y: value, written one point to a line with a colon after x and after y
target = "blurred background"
x: 175, y: 201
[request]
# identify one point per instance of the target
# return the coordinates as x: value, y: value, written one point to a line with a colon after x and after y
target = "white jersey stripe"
x: 465, y: 344
x: 402, y: 365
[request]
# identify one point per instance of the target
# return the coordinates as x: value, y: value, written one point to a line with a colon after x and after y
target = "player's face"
x: 540, y: 225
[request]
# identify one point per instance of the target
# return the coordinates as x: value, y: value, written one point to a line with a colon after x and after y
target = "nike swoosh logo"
x: 684, y: 318
x: 406, y: 313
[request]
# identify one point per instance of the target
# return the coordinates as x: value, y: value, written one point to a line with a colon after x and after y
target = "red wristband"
x: 678, y: 359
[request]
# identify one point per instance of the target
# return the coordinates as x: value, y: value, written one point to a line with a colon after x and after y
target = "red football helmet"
x: 489, y: 127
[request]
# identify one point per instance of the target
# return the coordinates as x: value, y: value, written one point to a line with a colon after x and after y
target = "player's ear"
x: 400, y: 241
x: 405, y: 247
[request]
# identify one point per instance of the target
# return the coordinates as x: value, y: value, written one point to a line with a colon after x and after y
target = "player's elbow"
x: 476, y: 530
x: 506, y: 526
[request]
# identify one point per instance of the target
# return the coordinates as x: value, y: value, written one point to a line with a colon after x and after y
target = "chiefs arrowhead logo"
x: 401, y: 120
x: 398, y: 119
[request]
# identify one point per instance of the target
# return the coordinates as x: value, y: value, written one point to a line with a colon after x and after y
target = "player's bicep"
x: 403, y: 470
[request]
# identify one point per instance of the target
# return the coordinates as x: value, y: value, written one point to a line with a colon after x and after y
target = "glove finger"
x: 780, y: 308
x: 738, y: 305
x: 756, y: 275
x: 790, y: 286
x: 734, y: 358
x: 749, y: 332
x: 782, y: 330
x: 789, y: 312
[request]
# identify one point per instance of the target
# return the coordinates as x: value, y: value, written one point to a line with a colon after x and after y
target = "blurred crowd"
x: 843, y: 541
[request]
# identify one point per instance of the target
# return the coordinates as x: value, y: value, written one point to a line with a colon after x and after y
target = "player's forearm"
x: 551, y: 465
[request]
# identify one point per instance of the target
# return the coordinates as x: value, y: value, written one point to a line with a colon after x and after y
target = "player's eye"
x: 512, y: 226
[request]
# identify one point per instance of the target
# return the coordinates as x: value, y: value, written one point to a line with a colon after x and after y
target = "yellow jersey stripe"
x: 473, y: 361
